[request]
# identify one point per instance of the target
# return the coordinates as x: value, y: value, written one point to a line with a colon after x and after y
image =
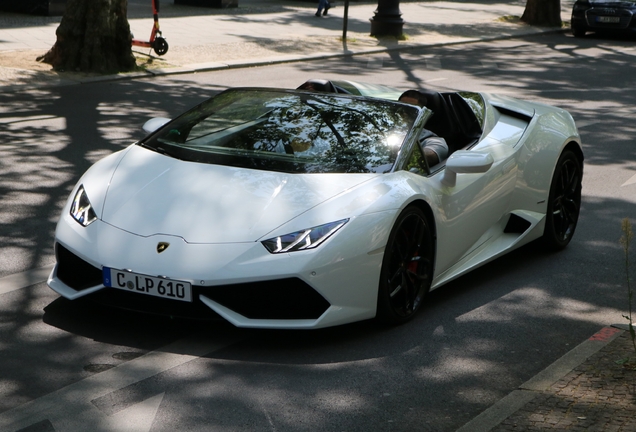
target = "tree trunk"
x: 93, y: 36
x: 542, y: 13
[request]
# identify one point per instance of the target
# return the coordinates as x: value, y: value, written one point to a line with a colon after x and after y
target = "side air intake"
x: 516, y: 225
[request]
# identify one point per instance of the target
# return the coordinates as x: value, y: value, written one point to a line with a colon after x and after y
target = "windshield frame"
x: 411, y: 140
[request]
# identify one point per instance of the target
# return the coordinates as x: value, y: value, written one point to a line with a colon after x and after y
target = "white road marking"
x: 433, y: 63
x: 18, y: 281
x: 69, y: 409
x: 586, y: 123
x: 630, y: 181
x: 139, y: 417
x: 136, y: 418
x: 268, y: 417
x: 435, y: 79
x: 8, y: 120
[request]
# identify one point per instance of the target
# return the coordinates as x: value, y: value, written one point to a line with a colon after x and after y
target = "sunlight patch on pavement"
x: 536, y: 302
x: 450, y: 368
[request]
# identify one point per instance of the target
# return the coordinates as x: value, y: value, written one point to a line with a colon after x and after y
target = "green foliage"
x: 477, y: 104
x: 625, y: 241
x: 509, y: 19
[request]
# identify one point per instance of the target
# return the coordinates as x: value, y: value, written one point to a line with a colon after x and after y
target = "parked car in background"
x: 603, y: 16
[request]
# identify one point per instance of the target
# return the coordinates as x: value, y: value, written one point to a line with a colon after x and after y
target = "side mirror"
x: 465, y: 162
x: 154, y: 123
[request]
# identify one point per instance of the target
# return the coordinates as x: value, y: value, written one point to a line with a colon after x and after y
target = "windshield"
x: 289, y: 131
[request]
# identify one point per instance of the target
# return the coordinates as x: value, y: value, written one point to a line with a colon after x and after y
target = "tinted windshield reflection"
x: 289, y: 131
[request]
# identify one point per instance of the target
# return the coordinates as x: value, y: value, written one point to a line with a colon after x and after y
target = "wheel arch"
x: 430, y: 218
x: 570, y: 145
x: 575, y: 148
x: 558, y: 230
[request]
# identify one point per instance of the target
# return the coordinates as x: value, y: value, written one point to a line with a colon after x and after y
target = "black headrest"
x: 452, y: 119
x: 320, y: 85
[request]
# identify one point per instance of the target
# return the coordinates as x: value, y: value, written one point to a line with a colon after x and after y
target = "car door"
x: 474, y: 210
x: 471, y: 194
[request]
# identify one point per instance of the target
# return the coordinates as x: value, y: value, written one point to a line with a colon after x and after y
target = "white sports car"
x: 278, y: 208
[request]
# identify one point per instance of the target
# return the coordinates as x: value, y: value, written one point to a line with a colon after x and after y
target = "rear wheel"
x: 407, y: 268
x: 564, y: 202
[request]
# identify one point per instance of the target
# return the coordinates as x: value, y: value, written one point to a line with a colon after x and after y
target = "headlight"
x: 81, y: 208
x: 305, y: 239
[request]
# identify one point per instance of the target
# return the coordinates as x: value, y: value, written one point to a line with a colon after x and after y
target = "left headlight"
x: 81, y: 208
x: 302, y: 240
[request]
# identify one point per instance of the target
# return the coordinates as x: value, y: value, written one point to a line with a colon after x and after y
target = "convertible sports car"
x: 603, y: 16
x: 310, y: 208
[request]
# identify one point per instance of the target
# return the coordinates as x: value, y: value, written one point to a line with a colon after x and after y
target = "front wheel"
x: 564, y: 202
x: 578, y: 32
x: 407, y: 268
x: 160, y: 45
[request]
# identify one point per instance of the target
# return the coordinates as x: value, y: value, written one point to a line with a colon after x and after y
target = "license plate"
x: 608, y: 19
x: 149, y: 285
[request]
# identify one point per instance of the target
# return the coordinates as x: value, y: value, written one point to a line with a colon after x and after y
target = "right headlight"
x: 81, y: 208
x: 305, y: 239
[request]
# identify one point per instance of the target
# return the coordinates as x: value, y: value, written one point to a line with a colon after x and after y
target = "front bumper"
x: 241, y: 282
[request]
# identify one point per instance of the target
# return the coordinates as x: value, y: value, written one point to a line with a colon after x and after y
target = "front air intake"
x: 74, y: 271
x: 277, y: 299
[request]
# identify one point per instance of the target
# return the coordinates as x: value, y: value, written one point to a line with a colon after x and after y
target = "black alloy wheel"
x: 160, y: 46
x: 407, y: 268
x: 564, y: 202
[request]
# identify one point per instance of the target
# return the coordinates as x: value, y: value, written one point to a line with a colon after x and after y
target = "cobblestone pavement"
x: 597, y: 396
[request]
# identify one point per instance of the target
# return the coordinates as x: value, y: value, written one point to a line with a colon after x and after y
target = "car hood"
x: 150, y: 194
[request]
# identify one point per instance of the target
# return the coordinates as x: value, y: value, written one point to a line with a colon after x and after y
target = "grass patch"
x: 509, y: 19
x: 402, y: 37
x: 148, y: 61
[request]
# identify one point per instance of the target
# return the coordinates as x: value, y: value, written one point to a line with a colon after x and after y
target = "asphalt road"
x: 67, y: 365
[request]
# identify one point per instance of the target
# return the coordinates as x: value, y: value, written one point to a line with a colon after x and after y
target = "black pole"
x: 346, y: 21
x: 387, y: 20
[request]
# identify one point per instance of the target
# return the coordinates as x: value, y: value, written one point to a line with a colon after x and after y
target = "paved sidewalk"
x: 262, y: 32
x: 597, y: 395
x: 588, y: 389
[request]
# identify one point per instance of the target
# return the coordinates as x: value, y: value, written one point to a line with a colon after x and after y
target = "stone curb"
x: 268, y: 61
x: 527, y: 391
x: 209, y: 67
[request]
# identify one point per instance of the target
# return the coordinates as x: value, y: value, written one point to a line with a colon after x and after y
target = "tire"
x: 564, y: 202
x: 160, y: 46
x: 407, y: 268
x: 578, y: 32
